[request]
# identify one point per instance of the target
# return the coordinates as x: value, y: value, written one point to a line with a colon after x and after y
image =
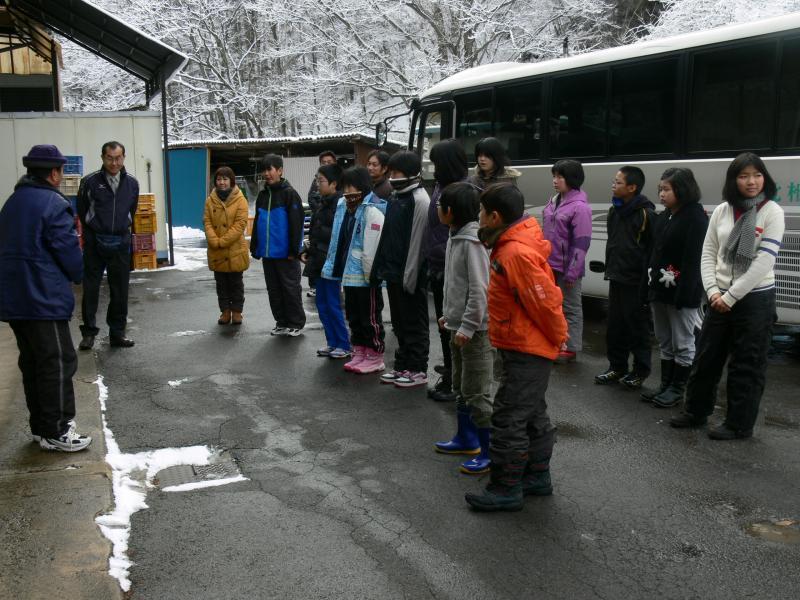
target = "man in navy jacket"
x: 107, y: 201
x: 39, y: 257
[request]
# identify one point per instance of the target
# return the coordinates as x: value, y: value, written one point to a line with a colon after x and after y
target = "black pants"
x: 230, y: 291
x: 741, y: 337
x: 628, y: 329
x: 363, y: 307
x: 436, y: 281
x: 411, y: 327
x: 117, y: 266
x: 285, y: 295
x: 47, y: 360
x: 520, y: 424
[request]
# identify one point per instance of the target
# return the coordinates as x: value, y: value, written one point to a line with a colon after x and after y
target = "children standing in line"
x: 277, y: 239
x: 630, y: 239
x: 527, y: 326
x: 328, y: 291
x: 737, y: 266
x: 225, y: 221
x: 674, y: 281
x: 357, y: 227
x: 493, y: 164
x: 400, y: 263
x: 465, y: 317
x: 567, y: 225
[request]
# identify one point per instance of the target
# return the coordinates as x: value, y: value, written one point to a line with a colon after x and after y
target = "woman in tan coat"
x: 225, y: 221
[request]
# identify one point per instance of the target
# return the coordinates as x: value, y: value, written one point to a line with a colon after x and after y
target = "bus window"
x: 578, y: 115
x: 473, y: 119
x: 430, y: 130
x: 642, y: 114
x: 732, y: 98
x: 789, y: 116
x: 518, y: 119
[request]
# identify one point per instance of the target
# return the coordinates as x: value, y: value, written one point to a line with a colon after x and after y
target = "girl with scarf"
x: 737, y: 268
x: 225, y: 221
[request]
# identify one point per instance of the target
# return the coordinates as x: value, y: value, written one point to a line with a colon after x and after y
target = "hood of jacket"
x: 640, y: 201
x: 577, y: 196
x: 508, y: 174
x: 232, y: 197
x: 31, y: 181
x: 525, y: 230
x: 467, y: 232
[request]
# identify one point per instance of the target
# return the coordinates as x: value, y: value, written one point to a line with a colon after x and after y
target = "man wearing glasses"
x: 107, y: 201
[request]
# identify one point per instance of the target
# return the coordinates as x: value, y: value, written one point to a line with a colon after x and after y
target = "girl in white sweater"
x: 737, y: 267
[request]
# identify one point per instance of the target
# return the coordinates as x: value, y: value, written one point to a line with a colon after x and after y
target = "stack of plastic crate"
x: 70, y: 183
x: 143, y: 241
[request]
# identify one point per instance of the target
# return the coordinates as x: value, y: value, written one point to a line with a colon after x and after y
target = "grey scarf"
x: 740, y: 249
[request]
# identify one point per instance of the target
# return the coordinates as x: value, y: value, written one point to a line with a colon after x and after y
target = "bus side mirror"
x: 381, y: 133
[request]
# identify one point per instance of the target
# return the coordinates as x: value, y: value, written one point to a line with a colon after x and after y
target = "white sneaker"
x: 37, y: 438
x: 277, y: 330
x: 339, y: 353
x: 71, y: 441
x: 291, y: 332
x: 391, y: 376
x: 411, y: 379
x: 326, y: 351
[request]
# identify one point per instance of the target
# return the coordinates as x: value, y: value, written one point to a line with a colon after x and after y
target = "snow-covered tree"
x: 296, y: 67
x: 683, y: 16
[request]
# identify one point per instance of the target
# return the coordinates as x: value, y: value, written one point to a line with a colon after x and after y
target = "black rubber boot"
x: 667, y: 367
x: 504, y: 492
x: 536, y: 479
x: 673, y: 395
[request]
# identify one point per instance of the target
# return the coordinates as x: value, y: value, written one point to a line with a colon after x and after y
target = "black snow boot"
x: 443, y: 390
x: 673, y: 395
x: 504, y: 492
x: 667, y: 368
x: 536, y: 479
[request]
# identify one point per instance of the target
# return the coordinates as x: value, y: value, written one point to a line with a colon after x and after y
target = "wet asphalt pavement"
x: 346, y: 498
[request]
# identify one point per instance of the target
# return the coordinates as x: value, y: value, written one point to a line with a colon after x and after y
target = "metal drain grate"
x: 221, y: 469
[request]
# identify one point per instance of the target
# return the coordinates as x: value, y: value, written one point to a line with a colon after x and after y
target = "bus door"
x: 433, y: 123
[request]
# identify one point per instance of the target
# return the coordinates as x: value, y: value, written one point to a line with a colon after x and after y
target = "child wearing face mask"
x: 356, y: 231
x: 400, y: 262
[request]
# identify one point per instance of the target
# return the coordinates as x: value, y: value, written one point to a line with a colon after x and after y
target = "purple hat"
x: 45, y: 156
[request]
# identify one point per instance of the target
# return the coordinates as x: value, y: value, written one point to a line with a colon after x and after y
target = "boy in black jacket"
x: 278, y: 239
x: 630, y: 239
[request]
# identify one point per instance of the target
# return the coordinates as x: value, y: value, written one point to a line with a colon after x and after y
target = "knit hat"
x: 44, y: 156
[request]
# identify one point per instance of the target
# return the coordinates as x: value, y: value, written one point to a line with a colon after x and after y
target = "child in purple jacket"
x: 567, y: 225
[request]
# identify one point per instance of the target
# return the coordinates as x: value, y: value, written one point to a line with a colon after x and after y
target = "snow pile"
x: 132, y: 476
x: 175, y: 383
x: 196, y: 485
x: 181, y: 232
x: 187, y: 333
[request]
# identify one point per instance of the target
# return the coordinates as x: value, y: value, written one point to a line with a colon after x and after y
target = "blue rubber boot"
x: 482, y: 462
x: 465, y: 441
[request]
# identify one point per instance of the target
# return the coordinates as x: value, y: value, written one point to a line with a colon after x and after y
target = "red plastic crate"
x: 143, y: 242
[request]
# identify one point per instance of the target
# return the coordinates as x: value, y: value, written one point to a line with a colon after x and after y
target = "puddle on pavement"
x: 785, y: 531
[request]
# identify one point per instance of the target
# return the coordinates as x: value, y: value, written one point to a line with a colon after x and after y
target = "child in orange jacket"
x: 527, y: 326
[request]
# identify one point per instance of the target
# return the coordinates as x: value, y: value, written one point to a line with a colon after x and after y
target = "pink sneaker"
x: 372, y: 363
x: 359, y: 354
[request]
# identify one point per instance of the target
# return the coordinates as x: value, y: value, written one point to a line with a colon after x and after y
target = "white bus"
x: 694, y: 100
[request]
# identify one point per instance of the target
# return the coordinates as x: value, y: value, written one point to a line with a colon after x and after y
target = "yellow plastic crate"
x: 145, y: 223
x: 144, y: 260
x: 147, y: 204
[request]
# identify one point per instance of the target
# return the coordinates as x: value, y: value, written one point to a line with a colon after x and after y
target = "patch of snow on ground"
x: 175, y: 383
x: 187, y: 333
x: 185, y: 487
x: 132, y: 476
